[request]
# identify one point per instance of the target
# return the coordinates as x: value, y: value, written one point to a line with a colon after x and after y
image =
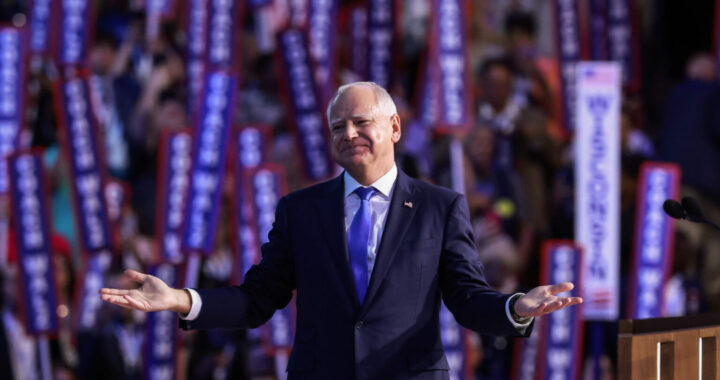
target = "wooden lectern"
x: 675, y: 348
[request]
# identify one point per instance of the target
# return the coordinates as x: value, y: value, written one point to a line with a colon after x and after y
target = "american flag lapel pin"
x: 407, y: 204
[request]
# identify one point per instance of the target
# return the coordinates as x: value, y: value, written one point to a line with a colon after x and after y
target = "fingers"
x: 561, y: 288
x: 116, y: 292
x: 117, y: 300
x: 558, y: 303
x: 135, y: 303
x: 136, y: 276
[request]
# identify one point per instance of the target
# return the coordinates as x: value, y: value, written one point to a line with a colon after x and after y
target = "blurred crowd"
x: 517, y: 165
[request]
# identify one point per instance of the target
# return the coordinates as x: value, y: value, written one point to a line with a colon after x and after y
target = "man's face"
x: 362, y: 136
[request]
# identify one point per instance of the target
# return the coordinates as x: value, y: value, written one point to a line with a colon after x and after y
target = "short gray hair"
x: 385, y: 103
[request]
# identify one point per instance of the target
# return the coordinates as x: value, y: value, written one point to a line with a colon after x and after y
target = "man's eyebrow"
x: 352, y: 117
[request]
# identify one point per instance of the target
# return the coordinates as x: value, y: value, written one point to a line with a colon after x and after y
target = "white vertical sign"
x: 597, y: 185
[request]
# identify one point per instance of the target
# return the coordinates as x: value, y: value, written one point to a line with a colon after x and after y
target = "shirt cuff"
x: 195, y: 306
x: 522, y: 325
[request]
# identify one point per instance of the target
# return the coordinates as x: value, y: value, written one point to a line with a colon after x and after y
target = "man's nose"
x: 349, y: 130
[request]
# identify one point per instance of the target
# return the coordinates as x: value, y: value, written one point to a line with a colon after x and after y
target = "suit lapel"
x: 331, y: 211
x: 398, y: 220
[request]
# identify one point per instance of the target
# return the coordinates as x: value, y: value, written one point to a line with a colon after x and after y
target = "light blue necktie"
x: 358, y: 236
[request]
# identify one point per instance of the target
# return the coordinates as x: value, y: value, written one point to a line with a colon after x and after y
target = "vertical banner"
x: 174, y: 162
x: 322, y: 28
x: 561, y: 340
x: 453, y: 339
x: 224, y: 35
x: 358, y: 33
x: 12, y: 95
x: 599, y: 30
x: 40, y: 15
x: 450, y: 64
x: 87, y: 302
x: 525, y: 354
x: 305, y: 104
x: 716, y: 35
x: 597, y: 185
x: 428, y: 100
x: 161, y: 333
x: 267, y: 184
x: 208, y: 165
x: 82, y: 150
x: 196, y: 51
x: 380, y: 41
x: 251, y: 149
x: 653, y: 241
x: 31, y: 216
x: 569, y: 52
x: 73, y: 32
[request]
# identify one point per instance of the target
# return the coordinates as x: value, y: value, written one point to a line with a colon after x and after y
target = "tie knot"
x: 365, y: 193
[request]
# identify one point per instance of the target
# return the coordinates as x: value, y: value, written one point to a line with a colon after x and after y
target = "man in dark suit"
x: 370, y: 253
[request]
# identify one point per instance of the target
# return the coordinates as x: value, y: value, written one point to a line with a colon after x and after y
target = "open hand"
x: 152, y: 295
x: 543, y: 300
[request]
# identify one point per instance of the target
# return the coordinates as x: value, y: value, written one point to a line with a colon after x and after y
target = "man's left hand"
x: 543, y: 300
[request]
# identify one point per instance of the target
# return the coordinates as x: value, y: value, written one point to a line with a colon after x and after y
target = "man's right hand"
x: 152, y: 295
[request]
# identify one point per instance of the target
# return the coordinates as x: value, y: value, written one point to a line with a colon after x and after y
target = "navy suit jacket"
x: 427, y: 250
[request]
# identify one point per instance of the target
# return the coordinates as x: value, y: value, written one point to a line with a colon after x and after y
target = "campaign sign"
x: 30, y: 213
x: 88, y: 301
x: 40, y: 25
x: 623, y: 40
x: 598, y: 30
x: 74, y: 29
x: 208, y: 165
x: 450, y: 63
x: 568, y: 42
x: 654, y: 239
x: 253, y: 143
x: 12, y: 95
x: 561, y: 340
x: 358, y: 28
x: 597, y: 185
x: 453, y: 340
x: 224, y: 26
x: 380, y: 41
x: 258, y: 3
x: 161, y: 333
x: 196, y: 52
x: 79, y: 135
x: 429, y: 98
x: 175, y: 162
x: 525, y: 354
x: 305, y: 103
x: 322, y: 28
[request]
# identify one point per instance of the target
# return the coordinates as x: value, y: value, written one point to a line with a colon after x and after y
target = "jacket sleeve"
x: 267, y: 286
x: 465, y: 291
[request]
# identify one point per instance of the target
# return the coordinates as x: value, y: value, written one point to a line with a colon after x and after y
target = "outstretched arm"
x: 544, y: 300
x: 152, y: 295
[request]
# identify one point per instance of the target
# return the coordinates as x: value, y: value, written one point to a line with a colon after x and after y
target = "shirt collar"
x: 384, y: 184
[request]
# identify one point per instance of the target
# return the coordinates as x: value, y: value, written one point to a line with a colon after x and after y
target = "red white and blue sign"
x: 74, y: 30
x: 654, y: 239
x: 568, y: 39
x: 453, y: 339
x: 322, y: 29
x: 196, y: 50
x: 82, y: 150
x: 31, y: 217
x: 358, y: 31
x: 12, y: 94
x: 209, y: 157
x: 40, y: 25
x: 88, y: 302
x: 253, y: 142
x: 561, y: 340
x: 380, y: 41
x: 224, y: 26
x: 161, y: 332
x: 305, y: 103
x: 450, y: 64
x: 175, y: 162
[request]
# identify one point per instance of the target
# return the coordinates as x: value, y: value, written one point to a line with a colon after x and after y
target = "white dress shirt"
x: 379, y: 207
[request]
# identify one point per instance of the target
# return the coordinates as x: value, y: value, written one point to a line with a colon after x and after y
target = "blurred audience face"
x: 497, y: 86
x: 362, y: 135
x: 170, y: 115
x: 101, y: 58
x: 702, y: 67
x: 480, y: 145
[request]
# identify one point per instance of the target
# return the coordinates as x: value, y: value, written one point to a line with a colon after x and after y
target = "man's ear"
x: 396, y: 128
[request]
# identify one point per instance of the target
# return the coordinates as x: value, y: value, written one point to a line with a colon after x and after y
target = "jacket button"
x: 359, y: 325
